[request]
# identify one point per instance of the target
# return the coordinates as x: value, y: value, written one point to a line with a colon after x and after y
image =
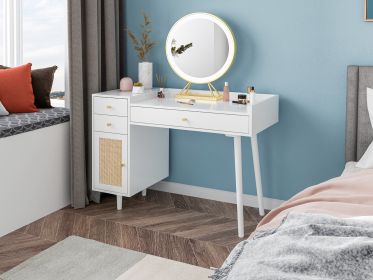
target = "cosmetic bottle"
x: 226, y: 92
x: 251, y: 92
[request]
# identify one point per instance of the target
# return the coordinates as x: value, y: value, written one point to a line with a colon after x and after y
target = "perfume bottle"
x: 251, y: 92
x: 226, y: 92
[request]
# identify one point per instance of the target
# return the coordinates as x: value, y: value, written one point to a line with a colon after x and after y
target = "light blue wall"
x: 298, y: 49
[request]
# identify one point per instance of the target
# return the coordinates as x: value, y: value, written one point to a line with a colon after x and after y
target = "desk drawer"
x: 110, y: 106
x: 111, y: 124
x: 194, y: 120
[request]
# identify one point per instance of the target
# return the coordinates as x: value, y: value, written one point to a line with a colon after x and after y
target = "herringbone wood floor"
x: 195, y: 231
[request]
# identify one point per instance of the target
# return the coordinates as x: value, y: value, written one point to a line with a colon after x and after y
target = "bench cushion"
x: 20, y: 123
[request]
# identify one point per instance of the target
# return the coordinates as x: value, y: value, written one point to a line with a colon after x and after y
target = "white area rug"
x: 79, y: 258
x: 156, y: 268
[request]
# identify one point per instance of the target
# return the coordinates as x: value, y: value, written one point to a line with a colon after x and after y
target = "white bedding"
x: 351, y: 168
x: 367, y: 160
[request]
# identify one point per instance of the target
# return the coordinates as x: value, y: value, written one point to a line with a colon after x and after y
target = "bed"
x: 34, y: 166
x: 326, y: 231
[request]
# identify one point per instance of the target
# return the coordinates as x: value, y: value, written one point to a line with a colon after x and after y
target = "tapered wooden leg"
x: 119, y: 202
x: 258, y: 176
x: 239, y: 187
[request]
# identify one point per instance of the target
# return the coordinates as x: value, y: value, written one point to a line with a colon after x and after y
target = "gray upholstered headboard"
x: 359, y: 132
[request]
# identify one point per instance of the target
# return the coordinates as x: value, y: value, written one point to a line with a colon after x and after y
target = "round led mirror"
x: 200, y: 48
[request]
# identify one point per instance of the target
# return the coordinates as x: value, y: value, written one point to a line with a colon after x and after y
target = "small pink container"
x: 126, y: 84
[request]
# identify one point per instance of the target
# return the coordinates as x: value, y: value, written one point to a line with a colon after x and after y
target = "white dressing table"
x: 131, y: 138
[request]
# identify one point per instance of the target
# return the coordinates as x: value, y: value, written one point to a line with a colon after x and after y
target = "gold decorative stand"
x: 213, y: 96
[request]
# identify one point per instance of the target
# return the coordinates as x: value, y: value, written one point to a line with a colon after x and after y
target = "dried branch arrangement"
x: 144, y: 44
x: 161, y: 80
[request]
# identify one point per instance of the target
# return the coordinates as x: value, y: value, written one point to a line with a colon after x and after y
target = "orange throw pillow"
x: 16, y: 92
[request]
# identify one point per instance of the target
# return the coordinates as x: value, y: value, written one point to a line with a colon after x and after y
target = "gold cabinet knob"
x: 108, y: 124
x: 184, y: 119
x: 109, y: 107
x: 123, y: 165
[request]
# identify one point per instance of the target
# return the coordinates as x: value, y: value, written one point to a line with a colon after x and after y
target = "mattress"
x: 14, y: 124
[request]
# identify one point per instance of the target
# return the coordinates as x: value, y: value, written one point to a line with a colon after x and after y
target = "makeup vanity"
x: 131, y: 131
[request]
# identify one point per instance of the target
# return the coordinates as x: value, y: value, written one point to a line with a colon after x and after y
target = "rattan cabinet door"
x: 110, y: 163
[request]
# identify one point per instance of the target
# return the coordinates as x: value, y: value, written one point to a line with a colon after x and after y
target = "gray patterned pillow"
x: 3, y: 111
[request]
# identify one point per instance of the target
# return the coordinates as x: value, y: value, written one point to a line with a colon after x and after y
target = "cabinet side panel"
x: 265, y: 114
x: 149, y: 157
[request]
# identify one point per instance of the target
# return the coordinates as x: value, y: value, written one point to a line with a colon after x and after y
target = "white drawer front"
x: 110, y: 106
x: 195, y: 120
x: 111, y: 124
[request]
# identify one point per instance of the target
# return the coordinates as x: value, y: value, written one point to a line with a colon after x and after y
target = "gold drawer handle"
x: 123, y: 165
x: 109, y: 125
x: 109, y: 107
x: 184, y: 119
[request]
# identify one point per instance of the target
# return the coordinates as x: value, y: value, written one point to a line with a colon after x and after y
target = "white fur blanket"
x: 304, y: 247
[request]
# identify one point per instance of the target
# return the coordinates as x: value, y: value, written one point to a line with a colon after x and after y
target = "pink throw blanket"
x: 349, y: 196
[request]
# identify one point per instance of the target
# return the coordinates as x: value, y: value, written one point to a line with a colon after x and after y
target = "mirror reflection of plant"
x: 144, y: 44
x: 180, y: 50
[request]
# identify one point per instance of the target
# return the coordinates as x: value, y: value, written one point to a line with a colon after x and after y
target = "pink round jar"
x: 126, y: 84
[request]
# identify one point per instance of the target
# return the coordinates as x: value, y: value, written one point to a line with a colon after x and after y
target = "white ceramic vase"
x: 146, y: 74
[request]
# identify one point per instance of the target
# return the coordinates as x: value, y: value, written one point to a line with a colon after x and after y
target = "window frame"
x: 13, y: 32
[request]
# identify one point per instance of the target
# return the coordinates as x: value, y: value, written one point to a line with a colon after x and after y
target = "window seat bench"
x: 20, y: 123
x: 34, y: 166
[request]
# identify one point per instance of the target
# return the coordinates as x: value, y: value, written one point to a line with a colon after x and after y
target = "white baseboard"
x: 213, y: 194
